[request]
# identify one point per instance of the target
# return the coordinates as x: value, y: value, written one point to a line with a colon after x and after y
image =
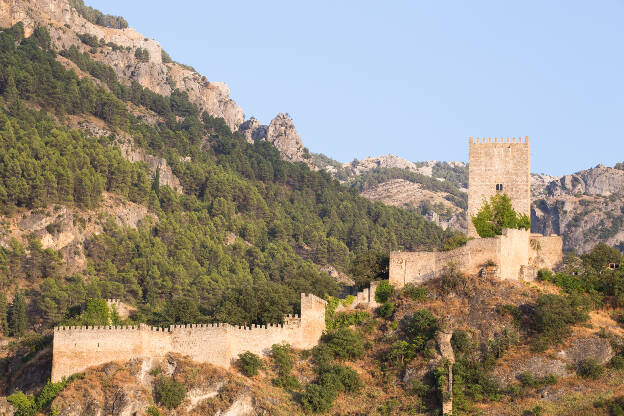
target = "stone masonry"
x: 76, y: 348
x: 498, y: 166
x: 501, y: 163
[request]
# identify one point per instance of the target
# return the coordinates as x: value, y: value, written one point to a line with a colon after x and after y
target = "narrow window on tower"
x: 499, y: 186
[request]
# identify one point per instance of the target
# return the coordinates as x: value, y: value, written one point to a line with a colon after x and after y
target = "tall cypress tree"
x: 4, y: 323
x: 18, y: 323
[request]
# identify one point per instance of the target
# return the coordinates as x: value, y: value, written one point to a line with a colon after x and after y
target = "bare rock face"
x: 155, y: 163
x: 281, y: 133
x: 66, y: 228
x: 65, y: 24
x: 252, y: 130
x: 405, y: 194
x: 585, y: 208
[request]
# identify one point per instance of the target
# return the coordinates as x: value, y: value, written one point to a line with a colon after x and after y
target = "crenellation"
x: 78, y: 347
x: 493, y: 164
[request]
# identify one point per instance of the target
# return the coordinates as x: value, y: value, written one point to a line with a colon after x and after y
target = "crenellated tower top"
x: 499, y: 165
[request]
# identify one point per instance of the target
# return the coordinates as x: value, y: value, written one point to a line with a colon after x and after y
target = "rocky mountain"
x: 585, y: 208
x: 153, y: 70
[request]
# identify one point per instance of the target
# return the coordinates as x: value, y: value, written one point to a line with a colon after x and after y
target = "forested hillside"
x: 182, y: 265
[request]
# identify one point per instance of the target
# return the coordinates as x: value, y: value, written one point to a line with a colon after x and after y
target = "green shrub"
x: 422, y: 323
x: 323, y: 355
x: 152, y: 411
x: 617, y: 362
x: 386, y: 310
x: 142, y: 55
x: 166, y: 59
x: 249, y: 363
x: 455, y: 241
x: 545, y: 275
x: 96, y: 312
x: 169, y: 392
x: 282, y: 357
x: 89, y: 40
x: 553, y: 316
x: 419, y: 388
x: 345, y: 343
x: 368, y: 266
x: 344, y: 319
x: 384, y: 291
x: 529, y: 380
x: 497, y: 215
x: 536, y: 411
x: 317, y: 398
x: 417, y: 293
x: 589, y: 368
x: 460, y: 341
x: 287, y: 382
x: 402, y: 352
x: 24, y: 404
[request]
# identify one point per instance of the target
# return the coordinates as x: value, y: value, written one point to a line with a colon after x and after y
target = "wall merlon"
x: 499, y: 140
x: 75, y: 348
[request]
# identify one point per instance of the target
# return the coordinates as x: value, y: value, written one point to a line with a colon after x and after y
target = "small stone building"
x: 499, y: 166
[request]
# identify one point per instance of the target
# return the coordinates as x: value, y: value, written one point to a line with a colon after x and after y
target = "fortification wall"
x: 498, y: 161
x: 76, y: 348
x: 514, y: 253
x: 509, y: 252
x: 545, y: 251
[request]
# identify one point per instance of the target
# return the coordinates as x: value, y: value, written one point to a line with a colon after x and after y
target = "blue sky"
x: 414, y: 79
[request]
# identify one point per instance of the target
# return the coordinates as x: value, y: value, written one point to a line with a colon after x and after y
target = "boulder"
x: 595, y: 348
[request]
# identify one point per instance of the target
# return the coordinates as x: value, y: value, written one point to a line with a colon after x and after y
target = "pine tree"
x: 156, y: 182
x: 18, y: 323
x: 4, y: 324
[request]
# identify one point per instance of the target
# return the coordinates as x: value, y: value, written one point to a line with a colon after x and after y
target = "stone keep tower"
x: 498, y: 166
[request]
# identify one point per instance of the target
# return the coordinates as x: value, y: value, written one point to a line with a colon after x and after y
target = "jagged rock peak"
x: 281, y: 132
x: 252, y: 130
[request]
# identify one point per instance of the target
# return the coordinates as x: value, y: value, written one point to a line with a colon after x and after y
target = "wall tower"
x: 498, y: 166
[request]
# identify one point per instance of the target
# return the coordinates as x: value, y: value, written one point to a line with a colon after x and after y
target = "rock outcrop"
x: 65, y: 24
x: 65, y: 228
x: 585, y: 208
x: 281, y: 133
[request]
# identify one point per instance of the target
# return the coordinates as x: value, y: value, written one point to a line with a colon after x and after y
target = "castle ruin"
x: 498, y: 166
x: 76, y: 348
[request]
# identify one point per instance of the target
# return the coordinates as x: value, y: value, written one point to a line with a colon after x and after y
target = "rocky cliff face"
x: 65, y: 23
x: 585, y: 208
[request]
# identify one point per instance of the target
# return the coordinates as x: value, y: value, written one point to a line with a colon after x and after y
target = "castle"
x: 76, y: 348
x: 499, y: 166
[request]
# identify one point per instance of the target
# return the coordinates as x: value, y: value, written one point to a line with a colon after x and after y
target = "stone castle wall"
x: 545, y: 251
x: 76, y: 348
x: 509, y: 252
x: 498, y: 161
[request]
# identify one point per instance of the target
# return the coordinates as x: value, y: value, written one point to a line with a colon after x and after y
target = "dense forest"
x: 175, y: 267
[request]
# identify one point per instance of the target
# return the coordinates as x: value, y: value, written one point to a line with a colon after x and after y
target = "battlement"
x: 498, y: 166
x: 75, y: 348
x: 499, y: 140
